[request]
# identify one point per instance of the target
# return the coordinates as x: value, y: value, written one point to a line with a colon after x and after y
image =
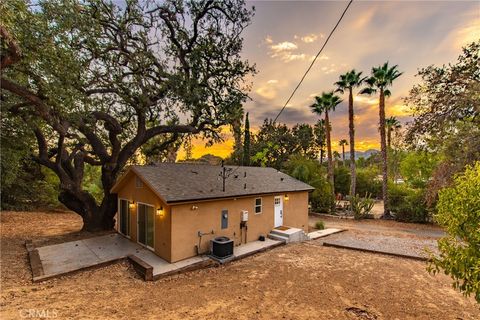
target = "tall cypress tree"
x: 246, y: 142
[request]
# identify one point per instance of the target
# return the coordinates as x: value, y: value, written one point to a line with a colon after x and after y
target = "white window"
x: 258, y: 205
x: 277, y: 201
x: 138, y: 182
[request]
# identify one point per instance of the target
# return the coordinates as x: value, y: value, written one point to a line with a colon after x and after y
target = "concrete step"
x: 279, y: 232
x: 277, y: 237
x: 291, y: 234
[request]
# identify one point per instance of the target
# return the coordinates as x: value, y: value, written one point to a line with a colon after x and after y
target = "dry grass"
x: 300, y: 281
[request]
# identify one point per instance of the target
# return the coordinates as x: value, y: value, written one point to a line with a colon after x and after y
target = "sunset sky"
x: 285, y: 35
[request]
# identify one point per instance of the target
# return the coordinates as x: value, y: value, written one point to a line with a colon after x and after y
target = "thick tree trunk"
x: 330, y: 159
x: 351, y: 132
x: 383, y: 146
x: 95, y: 218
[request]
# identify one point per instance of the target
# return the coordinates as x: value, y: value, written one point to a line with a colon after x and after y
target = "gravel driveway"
x: 390, y: 237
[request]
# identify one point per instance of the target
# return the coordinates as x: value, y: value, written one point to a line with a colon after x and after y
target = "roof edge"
x: 236, y: 196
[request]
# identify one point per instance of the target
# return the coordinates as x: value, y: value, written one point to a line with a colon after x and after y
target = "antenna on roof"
x: 224, y: 176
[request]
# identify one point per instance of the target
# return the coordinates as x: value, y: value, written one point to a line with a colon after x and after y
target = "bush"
x: 342, y: 180
x: 362, y: 207
x: 321, y: 199
x: 459, y: 213
x: 319, y: 225
x: 408, y: 204
x: 367, y: 182
x: 310, y: 171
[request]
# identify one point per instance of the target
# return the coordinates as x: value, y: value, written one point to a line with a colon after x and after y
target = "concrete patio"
x: 60, y: 259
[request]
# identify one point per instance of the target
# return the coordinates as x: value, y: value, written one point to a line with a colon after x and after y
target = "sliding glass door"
x: 146, y: 225
x: 124, y: 217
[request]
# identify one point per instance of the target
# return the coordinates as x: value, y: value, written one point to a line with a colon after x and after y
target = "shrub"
x: 459, y: 213
x: 361, y: 207
x: 319, y: 225
x: 310, y: 171
x: 408, y: 204
x: 417, y: 167
x: 321, y: 198
x: 367, y: 182
x: 342, y: 180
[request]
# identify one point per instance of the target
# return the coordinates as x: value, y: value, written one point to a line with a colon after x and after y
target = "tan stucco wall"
x: 187, y: 222
x: 296, y: 210
x: 162, y: 224
x: 176, y: 233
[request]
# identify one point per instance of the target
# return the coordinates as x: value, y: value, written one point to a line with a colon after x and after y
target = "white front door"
x: 278, y: 207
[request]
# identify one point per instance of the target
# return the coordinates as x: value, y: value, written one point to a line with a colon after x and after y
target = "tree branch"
x: 13, y: 49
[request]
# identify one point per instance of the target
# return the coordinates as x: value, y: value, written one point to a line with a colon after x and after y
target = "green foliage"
x: 361, y: 207
x: 367, y: 182
x: 342, y: 180
x: 319, y: 225
x: 445, y: 96
x: 310, y: 171
x: 381, y: 78
x: 459, y: 213
x: 305, y: 140
x: 24, y: 184
x: 320, y: 132
x: 97, y: 80
x: 408, y: 204
x: 417, y: 167
x: 446, y: 117
x: 326, y: 102
x: 275, y: 143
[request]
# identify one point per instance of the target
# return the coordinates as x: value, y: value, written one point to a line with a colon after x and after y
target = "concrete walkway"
x: 72, y: 256
x: 323, y: 233
x: 60, y: 259
x: 253, y: 247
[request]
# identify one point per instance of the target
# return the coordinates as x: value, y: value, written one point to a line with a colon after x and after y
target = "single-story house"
x: 175, y: 209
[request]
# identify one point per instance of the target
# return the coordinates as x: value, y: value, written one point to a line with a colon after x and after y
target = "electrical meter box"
x: 244, y: 217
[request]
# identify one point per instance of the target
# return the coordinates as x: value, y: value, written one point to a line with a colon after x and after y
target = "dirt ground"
x: 297, y: 281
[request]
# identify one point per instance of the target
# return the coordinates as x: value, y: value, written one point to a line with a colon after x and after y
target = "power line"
x: 315, y: 59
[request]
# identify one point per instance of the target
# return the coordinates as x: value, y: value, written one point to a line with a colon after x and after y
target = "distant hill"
x: 364, y: 154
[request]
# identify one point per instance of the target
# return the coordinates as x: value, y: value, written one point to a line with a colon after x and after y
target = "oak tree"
x: 95, y: 80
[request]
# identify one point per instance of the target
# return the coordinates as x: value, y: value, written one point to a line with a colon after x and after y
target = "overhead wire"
x: 313, y: 61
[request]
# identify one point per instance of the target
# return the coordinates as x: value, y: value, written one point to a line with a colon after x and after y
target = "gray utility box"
x: 221, y: 247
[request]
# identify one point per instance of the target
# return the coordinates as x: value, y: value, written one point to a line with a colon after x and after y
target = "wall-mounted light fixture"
x: 194, y: 207
x: 160, y: 212
x: 286, y: 197
x: 131, y: 204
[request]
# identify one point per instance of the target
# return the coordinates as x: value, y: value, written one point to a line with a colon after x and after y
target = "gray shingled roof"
x: 177, y: 182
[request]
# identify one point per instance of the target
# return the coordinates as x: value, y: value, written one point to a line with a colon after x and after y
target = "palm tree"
x: 391, y: 124
x: 381, y: 78
x: 323, y: 104
x: 320, y: 139
x: 336, y: 157
x: 348, y: 81
x: 343, y: 143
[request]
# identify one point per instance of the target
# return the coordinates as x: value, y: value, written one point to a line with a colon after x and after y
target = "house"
x: 175, y: 209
